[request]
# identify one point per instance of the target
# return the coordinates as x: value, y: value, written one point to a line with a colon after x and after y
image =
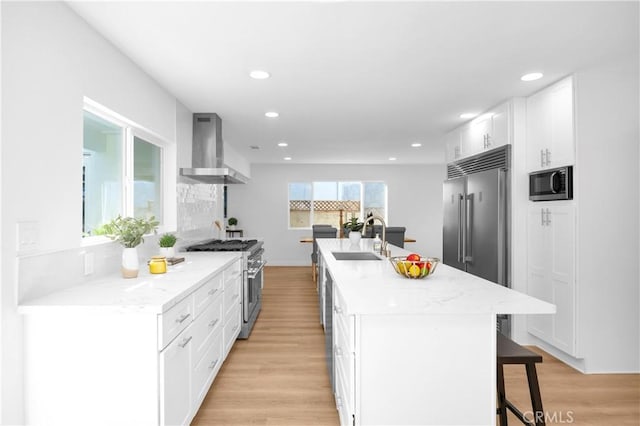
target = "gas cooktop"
x: 224, y: 245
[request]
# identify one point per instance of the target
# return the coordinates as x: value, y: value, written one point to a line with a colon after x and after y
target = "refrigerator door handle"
x: 468, y: 212
x: 460, y: 228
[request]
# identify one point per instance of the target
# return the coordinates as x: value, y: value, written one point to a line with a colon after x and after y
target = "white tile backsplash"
x: 45, y: 273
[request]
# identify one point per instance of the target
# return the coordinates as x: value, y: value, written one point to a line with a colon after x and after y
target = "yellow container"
x: 158, y: 265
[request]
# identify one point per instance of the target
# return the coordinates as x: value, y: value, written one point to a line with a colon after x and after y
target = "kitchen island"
x: 413, y: 351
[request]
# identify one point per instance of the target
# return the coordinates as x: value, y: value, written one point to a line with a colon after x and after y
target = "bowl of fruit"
x: 414, y: 266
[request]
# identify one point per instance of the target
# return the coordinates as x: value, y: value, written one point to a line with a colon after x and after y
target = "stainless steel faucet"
x: 383, y: 246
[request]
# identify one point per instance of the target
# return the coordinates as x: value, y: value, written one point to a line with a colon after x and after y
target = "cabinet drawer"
x: 205, y: 326
x: 206, y: 368
x: 342, y: 354
x: 232, y: 294
x: 231, y: 328
x: 176, y: 319
x: 204, y: 295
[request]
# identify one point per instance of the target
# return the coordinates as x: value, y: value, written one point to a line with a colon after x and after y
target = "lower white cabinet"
x: 551, y: 272
x: 84, y: 366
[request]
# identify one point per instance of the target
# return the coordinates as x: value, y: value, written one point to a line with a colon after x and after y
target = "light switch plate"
x: 27, y: 234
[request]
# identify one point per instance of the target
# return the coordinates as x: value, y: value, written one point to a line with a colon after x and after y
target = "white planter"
x: 130, y: 263
x: 167, y: 251
x: 354, y: 237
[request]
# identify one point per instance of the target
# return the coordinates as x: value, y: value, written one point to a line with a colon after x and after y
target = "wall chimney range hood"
x: 207, y: 158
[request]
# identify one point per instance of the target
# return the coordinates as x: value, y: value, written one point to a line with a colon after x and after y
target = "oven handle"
x: 253, y: 272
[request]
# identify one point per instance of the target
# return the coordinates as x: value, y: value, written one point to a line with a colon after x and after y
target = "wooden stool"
x: 509, y: 352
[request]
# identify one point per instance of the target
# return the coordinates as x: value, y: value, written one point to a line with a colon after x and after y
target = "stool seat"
x: 509, y: 352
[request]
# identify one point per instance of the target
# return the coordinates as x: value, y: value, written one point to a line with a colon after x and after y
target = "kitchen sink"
x: 355, y: 255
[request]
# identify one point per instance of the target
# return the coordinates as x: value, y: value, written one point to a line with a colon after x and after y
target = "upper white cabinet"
x: 452, y: 146
x: 550, y: 135
x: 490, y: 130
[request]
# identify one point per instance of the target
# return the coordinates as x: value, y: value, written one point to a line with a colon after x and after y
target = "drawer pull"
x: 213, y: 364
x: 338, y: 309
x: 185, y: 341
x: 338, y: 351
x: 214, y: 322
x: 182, y: 318
x: 213, y: 291
x: 339, y: 402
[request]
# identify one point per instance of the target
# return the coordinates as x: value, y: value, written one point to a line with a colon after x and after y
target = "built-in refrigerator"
x: 476, y: 216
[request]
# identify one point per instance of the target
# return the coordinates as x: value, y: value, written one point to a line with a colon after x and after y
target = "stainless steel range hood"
x: 208, y: 153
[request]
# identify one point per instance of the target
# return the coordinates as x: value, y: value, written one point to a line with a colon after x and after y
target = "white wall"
x: 261, y: 206
x: 51, y: 59
x: 608, y: 196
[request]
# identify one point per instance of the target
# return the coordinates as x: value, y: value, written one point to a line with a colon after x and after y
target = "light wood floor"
x: 279, y: 377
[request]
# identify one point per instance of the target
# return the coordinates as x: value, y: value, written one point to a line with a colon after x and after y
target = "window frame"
x: 131, y: 130
x: 311, y: 209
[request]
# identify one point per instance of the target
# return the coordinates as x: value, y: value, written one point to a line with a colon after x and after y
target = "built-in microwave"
x: 551, y: 184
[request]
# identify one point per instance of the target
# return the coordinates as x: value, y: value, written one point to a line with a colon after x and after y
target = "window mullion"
x: 128, y: 173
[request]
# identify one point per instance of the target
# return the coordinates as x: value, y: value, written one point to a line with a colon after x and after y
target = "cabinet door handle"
x: 338, y: 309
x: 213, y: 364
x: 541, y: 158
x: 185, y: 341
x: 182, y: 318
x: 339, y: 402
x: 548, y: 217
x: 213, y: 323
x: 548, y: 156
x: 542, y: 217
x: 338, y: 351
x: 213, y: 291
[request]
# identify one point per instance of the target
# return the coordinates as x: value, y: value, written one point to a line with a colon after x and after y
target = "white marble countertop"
x: 373, y: 287
x: 148, y: 293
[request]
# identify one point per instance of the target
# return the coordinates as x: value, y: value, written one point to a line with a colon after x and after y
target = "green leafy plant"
x: 129, y: 231
x: 232, y: 221
x: 353, y: 224
x: 167, y: 240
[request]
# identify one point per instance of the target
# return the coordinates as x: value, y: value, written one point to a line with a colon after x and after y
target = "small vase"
x: 354, y: 237
x: 130, y: 264
x: 168, y: 252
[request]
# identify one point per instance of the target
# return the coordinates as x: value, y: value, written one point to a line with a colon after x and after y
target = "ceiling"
x: 357, y: 82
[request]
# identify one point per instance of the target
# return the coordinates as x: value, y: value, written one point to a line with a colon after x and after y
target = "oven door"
x: 253, y: 283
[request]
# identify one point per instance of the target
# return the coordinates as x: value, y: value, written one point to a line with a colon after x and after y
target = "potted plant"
x: 129, y: 232
x: 167, y: 241
x: 232, y: 222
x: 354, y: 227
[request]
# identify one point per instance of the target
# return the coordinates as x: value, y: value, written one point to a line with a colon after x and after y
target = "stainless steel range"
x: 252, y: 279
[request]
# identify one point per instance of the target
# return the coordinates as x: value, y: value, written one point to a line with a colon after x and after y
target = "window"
x: 121, y: 172
x: 326, y: 202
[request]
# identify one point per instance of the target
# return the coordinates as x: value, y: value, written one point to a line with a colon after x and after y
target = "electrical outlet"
x: 27, y: 235
x: 88, y: 263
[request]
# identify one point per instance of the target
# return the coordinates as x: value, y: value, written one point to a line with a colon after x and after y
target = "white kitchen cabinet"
x: 453, y: 149
x: 150, y: 368
x: 490, y: 130
x: 550, y: 127
x: 175, y: 376
x: 551, y: 272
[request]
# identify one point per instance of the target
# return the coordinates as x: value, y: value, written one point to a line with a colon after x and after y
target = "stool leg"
x: 534, y: 391
x: 502, y: 406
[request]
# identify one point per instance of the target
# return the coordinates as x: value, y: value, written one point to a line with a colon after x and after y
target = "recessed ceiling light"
x: 259, y: 74
x: 468, y: 115
x: 392, y: 158
x: 283, y: 144
x: 531, y: 76
x: 287, y: 158
x: 416, y: 145
x: 271, y: 114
